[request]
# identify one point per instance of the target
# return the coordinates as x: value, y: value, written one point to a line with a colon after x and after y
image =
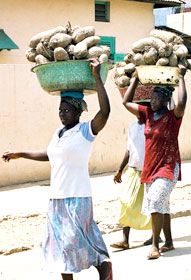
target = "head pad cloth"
x: 74, y: 98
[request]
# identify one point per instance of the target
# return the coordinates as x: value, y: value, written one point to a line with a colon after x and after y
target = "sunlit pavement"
x: 128, y: 264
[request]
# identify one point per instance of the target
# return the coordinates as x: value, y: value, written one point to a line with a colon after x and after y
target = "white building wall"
x: 180, y: 22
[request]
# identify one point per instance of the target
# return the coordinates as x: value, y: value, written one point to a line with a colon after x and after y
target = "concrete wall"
x: 29, y: 116
x: 180, y: 22
x: 126, y: 21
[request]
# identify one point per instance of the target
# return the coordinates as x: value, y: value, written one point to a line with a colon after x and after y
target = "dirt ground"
x: 19, y: 233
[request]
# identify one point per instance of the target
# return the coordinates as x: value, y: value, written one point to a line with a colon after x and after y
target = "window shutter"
x: 102, y: 11
x: 110, y: 42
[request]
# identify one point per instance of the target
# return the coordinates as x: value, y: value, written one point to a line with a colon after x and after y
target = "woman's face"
x: 157, y: 101
x: 68, y: 114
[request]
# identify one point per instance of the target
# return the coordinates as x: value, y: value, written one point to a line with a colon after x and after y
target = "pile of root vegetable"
x: 160, y: 48
x: 66, y: 43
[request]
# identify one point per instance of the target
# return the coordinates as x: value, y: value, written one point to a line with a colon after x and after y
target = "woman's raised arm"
x: 128, y: 97
x: 182, y: 94
x: 102, y: 115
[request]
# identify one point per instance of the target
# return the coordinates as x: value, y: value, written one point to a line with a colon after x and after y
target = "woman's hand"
x: 10, y: 155
x: 117, y: 177
x: 95, y: 67
x: 135, y: 74
x: 182, y: 70
x: 39, y: 155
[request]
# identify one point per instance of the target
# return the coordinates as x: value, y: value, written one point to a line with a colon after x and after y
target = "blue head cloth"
x: 75, y: 98
x: 73, y: 94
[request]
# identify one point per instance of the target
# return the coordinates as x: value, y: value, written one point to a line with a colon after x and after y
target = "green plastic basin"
x: 68, y: 75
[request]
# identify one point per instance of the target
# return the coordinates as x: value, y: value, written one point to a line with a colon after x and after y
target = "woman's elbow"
x: 125, y: 104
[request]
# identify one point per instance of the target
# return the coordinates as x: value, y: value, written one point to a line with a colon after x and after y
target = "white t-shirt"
x: 136, y: 145
x: 69, y: 157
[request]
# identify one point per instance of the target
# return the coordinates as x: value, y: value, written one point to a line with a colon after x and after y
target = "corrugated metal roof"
x: 167, y: 3
x: 5, y: 42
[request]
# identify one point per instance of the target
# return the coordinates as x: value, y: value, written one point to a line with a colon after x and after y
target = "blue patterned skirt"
x: 73, y: 241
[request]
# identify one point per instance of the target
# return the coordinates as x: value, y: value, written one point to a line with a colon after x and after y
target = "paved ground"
x: 129, y: 264
x: 22, y: 214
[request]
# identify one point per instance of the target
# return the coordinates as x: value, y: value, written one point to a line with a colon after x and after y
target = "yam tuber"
x: 40, y: 59
x: 181, y: 51
x: 81, y: 33
x: 103, y: 58
x: 31, y: 54
x: 139, y: 46
x: 165, y: 36
x: 45, y: 35
x: 45, y: 51
x: 60, y: 54
x: 122, y: 81
x: 163, y: 61
x: 138, y: 59
x: 81, y: 49
x: 173, y: 60
x: 129, y: 68
x: 150, y: 57
x: 60, y: 40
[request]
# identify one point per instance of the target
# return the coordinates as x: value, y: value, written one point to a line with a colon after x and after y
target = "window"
x: 102, y: 11
x: 110, y: 42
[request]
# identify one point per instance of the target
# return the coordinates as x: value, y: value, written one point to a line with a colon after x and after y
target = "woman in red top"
x: 162, y: 159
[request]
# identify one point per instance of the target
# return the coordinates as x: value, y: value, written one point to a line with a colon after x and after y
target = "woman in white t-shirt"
x: 131, y: 193
x: 73, y: 241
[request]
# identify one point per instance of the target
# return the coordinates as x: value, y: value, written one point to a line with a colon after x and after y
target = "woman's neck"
x: 159, y: 113
x: 71, y: 125
x: 162, y: 110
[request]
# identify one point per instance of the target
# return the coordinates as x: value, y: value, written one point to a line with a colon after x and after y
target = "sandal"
x: 120, y: 245
x: 165, y: 248
x: 149, y: 241
x: 153, y: 255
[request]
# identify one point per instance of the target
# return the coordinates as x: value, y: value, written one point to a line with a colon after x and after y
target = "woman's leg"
x: 157, y: 223
x: 126, y: 231
x: 150, y: 240
x: 67, y: 276
x: 105, y: 270
x: 167, y: 233
x: 167, y: 219
x: 124, y: 244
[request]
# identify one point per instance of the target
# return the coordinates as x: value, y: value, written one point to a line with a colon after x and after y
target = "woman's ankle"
x: 105, y: 270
